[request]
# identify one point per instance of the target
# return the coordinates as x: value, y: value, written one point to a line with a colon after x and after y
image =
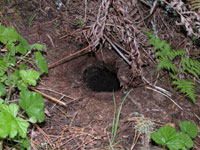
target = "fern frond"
x: 166, y: 64
x: 179, y: 52
x: 162, y: 48
x: 149, y: 34
x: 174, y: 76
x: 195, y: 4
x: 191, y: 66
x: 166, y: 56
x: 187, y: 88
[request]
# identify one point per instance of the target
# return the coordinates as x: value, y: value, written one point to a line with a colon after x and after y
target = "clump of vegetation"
x: 168, y: 136
x: 181, y: 68
x: 21, y: 66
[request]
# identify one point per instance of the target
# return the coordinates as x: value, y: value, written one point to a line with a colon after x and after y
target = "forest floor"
x: 86, y: 121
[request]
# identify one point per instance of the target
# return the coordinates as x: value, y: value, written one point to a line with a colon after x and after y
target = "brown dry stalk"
x: 78, y: 53
x: 49, y: 97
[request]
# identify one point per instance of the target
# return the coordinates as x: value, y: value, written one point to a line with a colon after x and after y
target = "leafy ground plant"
x: 181, y: 74
x: 168, y: 136
x: 21, y: 66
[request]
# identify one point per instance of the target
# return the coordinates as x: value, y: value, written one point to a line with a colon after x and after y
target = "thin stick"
x: 48, y: 89
x: 118, y: 51
x: 165, y: 96
x: 47, y: 96
x: 86, y: 49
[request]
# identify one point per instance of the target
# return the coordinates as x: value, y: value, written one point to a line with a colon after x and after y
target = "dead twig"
x: 136, y: 137
x: 84, y: 50
x: 49, y: 97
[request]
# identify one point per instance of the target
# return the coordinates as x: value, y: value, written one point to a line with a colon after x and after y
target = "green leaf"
x: 167, y: 136
x: 29, y: 76
x: 11, y: 49
x: 184, y: 148
x: 33, y: 119
x: 186, y: 140
x: 23, y: 46
x: 33, y: 104
x: 2, y: 90
x: 8, y: 35
x: 41, y: 62
x: 189, y: 128
x: 24, y: 144
x: 3, y: 67
x: 10, y: 124
x: 39, y: 47
x: 22, y: 86
x: 12, y: 61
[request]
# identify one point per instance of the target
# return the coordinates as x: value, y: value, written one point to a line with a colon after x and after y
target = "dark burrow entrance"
x: 99, y: 78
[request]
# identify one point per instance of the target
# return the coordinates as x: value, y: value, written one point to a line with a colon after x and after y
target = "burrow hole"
x: 99, y: 78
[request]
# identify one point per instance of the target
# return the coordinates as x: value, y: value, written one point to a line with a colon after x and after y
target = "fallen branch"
x: 49, y: 97
x: 78, y: 53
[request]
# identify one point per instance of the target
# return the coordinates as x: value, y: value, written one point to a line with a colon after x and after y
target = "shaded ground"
x: 86, y: 121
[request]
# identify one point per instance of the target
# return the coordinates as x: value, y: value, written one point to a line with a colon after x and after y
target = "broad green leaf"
x: 189, y: 128
x: 8, y: 35
x: 167, y: 136
x: 33, y: 104
x: 2, y: 90
x: 23, y: 46
x: 41, y: 62
x: 22, y: 86
x: 10, y: 124
x: 29, y: 76
x: 33, y: 119
x: 39, y: 47
x: 186, y: 140
x: 23, y: 125
x: 4, y: 128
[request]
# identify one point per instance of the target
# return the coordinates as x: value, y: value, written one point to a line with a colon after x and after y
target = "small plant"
x: 80, y: 22
x: 168, y: 136
x: 144, y: 126
x: 116, y: 121
x: 186, y: 67
x: 21, y: 65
